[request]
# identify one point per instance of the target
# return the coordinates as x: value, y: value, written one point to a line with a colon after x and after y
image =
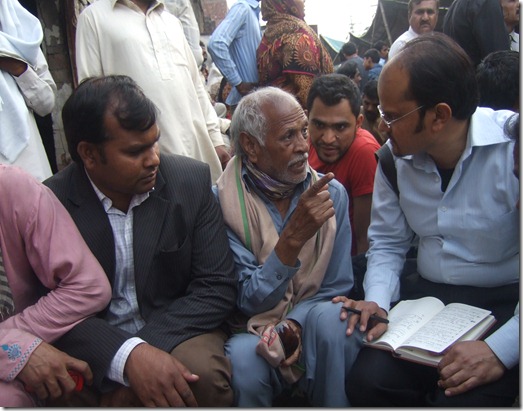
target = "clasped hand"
x: 46, y: 372
x: 158, y: 379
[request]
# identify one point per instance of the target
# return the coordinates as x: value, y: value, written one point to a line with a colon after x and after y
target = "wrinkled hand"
x: 46, y: 374
x: 12, y: 66
x: 223, y: 155
x: 466, y: 365
x: 295, y: 356
x: 374, y: 329
x: 121, y: 397
x: 245, y: 88
x: 314, y: 208
x: 159, y: 379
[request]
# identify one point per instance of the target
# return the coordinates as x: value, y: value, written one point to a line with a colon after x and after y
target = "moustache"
x: 299, y: 159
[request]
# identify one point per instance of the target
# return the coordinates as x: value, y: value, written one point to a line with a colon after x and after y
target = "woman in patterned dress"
x: 290, y: 54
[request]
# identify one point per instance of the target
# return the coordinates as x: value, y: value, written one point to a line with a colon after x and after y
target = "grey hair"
x: 249, y: 117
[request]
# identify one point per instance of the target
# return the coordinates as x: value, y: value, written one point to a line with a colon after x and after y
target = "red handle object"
x: 77, y: 377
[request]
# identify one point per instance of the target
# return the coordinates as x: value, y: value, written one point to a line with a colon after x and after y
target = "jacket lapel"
x: 92, y: 221
x: 148, y: 223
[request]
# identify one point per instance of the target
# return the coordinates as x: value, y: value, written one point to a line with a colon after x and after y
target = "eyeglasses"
x: 389, y: 121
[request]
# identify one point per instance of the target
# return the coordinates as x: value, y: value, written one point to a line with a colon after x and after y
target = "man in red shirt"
x: 340, y: 145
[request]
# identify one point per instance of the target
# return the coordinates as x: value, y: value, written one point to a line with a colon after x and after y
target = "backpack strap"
x: 386, y: 161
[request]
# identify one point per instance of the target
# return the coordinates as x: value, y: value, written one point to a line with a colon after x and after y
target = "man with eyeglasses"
x: 423, y: 17
x: 458, y: 193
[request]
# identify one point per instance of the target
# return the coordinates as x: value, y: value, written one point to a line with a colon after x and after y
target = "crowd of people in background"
x: 240, y: 216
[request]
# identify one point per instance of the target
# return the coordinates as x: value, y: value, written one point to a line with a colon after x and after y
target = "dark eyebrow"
x: 139, y: 147
x: 339, y: 123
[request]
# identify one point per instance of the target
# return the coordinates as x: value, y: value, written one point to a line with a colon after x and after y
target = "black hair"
x: 332, y: 88
x: 440, y: 71
x: 498, y: 80
x: 371, y: 89
x: 349, y: 69
x: 373, y: 54
x: 85, y: 110
x: 349, y: 48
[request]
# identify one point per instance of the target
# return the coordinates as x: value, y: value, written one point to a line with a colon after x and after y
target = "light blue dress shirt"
x: 123, y: 311
x: 468, y: 235
x: 233, y: 45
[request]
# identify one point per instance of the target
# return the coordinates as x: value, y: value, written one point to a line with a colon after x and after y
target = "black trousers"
x: 379, y: 379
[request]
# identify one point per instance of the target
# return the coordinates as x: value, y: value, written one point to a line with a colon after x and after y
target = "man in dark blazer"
x: 158, y: 232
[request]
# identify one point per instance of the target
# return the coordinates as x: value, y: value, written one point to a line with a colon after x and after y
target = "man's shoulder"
x: 61, y: 178
x: 177, y: 161
x: 239, y: 7
x: 365, y: 141
x: 487, y: 126
x: 355, y: 58
x: 182, y: 170
x: 99, y: 6
x: 64, y: 181
x: 363, y: 146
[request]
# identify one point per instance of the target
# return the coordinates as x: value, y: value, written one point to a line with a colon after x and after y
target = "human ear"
x: 359, y: 121
x: 443, y: 113
x: 88, y: 152
x: 250, y: 146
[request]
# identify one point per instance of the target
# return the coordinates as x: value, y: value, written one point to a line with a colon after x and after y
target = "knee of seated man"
x: 325, y: 318
x: 204, y: 356
x: 248, y: 367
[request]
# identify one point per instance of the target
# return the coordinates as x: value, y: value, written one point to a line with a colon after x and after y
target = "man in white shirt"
x: 468, y: 252
x: 423, y: 17
x: 185, y: 13
x: 139, y: 38
x: 26, y: 86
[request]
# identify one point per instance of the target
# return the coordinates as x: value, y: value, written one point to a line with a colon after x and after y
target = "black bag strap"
x: 386, y: 161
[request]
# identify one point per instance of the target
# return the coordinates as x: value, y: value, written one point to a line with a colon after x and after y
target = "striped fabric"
x: 7, y: 306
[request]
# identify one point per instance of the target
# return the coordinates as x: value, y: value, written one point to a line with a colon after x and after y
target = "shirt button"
x: 436, y: 179
x: 443, y: 208
x: 278, y: 276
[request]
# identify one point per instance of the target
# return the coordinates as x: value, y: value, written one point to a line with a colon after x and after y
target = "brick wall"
x: 56, y: 51
x: 214, y: 11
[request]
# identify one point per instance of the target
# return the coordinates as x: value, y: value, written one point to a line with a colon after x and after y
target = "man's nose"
x: 153, y: 156
x: 329, y: 135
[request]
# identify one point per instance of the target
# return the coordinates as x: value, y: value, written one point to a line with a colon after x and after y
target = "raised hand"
x: 314, y: 208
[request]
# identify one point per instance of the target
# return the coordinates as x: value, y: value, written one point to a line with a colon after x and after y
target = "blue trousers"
x: 328, y: 355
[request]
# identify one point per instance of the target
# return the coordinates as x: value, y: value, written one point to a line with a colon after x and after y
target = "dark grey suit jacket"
x: 184, y: 270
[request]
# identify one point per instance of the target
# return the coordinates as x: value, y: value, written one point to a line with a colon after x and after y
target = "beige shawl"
x: 247, y: 216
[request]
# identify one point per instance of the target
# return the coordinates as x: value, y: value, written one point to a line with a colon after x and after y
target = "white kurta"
x: 38, y: 90
x: 116, y: 37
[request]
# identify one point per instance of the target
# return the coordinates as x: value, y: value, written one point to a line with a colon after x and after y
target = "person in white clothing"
x: 185, y: 13
x: 26, y: 86
x: 423, y: 17
x: 141, y: 39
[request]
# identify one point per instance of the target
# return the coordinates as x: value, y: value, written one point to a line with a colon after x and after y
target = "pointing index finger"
x: 318, y: 185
